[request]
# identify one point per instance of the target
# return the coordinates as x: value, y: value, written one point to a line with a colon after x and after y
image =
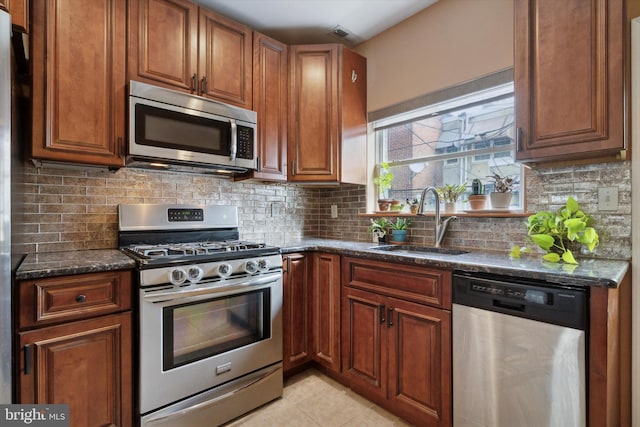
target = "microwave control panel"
x: 245, y: 143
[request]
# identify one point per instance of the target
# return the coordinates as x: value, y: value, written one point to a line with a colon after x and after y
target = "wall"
x: 447, y: 43
x: 67, y: 209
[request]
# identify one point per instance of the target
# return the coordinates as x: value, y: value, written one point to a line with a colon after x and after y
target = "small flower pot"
x: 413, y: 209
x: 384, y: 204
x: 399, y: 235
x: 477, y: 202
x: 500, y: 200
x: 449, y: 207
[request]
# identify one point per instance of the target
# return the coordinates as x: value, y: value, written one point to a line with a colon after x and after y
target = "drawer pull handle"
x: 381, y: 309
x: 81, y: 298
x: 389, y: 317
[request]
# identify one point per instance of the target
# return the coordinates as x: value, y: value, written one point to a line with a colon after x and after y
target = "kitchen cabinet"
x: 179, y: 45
x: 19, y: 10
x: 571, y: 79
x: 78, y: 102
x: 270, y: 78
x: 327, y: 114
x: 295, y: 312
x: 75, y: 346
x: 325, y: 303
x: 396, y: 338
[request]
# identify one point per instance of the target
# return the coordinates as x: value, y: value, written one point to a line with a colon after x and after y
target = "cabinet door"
x: 314, y: 113
x: 85, y: 364
x: 295, y: 314
x: 419, y: 345
x: 270, y: 77
x: 19, y: 10
x: 569, y: 78
x: 364, y: 355
x: 225, y: 62
x: 163, y: 43
x: 326, y: 310
x: 79, y: 80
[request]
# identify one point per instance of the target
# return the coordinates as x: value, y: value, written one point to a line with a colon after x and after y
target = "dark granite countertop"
x: 49, y: 264
x: 589, y: 272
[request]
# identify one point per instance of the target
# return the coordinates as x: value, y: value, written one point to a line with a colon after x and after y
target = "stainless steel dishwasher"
x: 518, y: 353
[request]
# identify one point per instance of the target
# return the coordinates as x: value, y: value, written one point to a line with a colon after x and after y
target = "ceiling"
x: 314, y: 21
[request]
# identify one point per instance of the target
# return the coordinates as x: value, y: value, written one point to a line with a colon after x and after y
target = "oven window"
x: 205, y: 328
x: 158, y: 127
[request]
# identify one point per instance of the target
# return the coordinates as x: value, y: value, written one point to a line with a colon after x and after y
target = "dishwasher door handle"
x: 508, y: 305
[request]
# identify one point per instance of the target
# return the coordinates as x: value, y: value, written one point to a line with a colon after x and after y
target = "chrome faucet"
x: 441, y: 226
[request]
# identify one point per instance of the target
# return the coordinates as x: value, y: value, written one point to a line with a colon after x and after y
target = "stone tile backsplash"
x: 68, y: 209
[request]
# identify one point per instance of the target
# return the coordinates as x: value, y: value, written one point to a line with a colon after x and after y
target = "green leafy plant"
x: 503, y: 184
x: 558, y: 232
x: 384, y: 178
x: 379, y: 224
x: 449, y: 193
x: 400, y: 224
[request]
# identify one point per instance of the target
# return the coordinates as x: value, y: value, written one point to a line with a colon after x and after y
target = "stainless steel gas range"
x: 210, y: 314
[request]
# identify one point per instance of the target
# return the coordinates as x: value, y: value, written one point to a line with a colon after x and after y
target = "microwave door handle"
x: 234, y: 140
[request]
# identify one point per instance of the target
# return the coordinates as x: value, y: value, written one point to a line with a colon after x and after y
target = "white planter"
x: 500, y: 200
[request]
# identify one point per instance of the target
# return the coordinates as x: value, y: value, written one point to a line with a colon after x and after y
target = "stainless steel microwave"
x: 177, y: 131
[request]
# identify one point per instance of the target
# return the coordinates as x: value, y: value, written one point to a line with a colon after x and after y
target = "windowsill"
x: 470, y: 214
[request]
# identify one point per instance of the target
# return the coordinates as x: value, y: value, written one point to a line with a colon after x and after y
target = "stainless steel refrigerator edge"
x: 5, y: 210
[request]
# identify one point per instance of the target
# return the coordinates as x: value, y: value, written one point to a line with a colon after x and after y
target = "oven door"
x: 204, y: 335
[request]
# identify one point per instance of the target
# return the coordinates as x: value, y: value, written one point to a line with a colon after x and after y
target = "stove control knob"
x: 263, y: 265
x: 194, y: 274
x: 177, y: 276
x: 224, y: 270
x: 251, y: 266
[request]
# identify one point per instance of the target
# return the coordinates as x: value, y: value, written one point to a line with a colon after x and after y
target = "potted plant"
x: 501, y: 195
x: 477, y: 200
x: 561, y: 233
x: 399, y: 229
x: 413, y: 205
x: 383, y: 182
x: 449, y: 194
x: 379, y: 229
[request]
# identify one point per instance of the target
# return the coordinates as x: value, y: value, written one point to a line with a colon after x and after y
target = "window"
x: 452, y: 142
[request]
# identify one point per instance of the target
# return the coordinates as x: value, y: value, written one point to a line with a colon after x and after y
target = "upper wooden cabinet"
x: 570, y: 59
x: 327, y: 116
x: 19, y: 10
x: 176, y: 44
x: 78, y: 57
x: 270, y: 79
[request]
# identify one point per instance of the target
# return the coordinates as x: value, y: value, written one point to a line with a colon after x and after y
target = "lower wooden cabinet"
x: 325, y: 309
x: 396, y: 352
x: 295, y: 311
x: 85, y: 363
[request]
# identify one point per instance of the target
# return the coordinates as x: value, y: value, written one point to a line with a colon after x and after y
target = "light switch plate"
x: 608, y: 198
x: 334, y: 211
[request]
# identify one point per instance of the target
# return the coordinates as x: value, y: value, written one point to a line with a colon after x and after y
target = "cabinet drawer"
x: 423, y: 285
x: 57, y: 299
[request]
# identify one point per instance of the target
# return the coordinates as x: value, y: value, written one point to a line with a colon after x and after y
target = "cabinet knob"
x: 81, y: 298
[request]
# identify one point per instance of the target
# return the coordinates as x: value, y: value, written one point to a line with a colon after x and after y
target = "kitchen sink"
x: 410, y: 249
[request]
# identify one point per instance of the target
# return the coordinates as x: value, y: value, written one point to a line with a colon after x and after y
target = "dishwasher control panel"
x: 536, y: 300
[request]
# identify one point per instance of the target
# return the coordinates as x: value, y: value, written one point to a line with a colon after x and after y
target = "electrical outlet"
x: 334, y: 211
x: 608, y: 198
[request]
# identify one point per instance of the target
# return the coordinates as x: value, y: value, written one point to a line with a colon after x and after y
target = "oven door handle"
x: 166, y: 419
x: 221, y: 289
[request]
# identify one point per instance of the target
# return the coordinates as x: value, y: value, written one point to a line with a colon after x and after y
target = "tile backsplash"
x: 68, y: 209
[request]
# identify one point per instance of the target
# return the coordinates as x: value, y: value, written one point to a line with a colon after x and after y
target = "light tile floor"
x: 313, y: 399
